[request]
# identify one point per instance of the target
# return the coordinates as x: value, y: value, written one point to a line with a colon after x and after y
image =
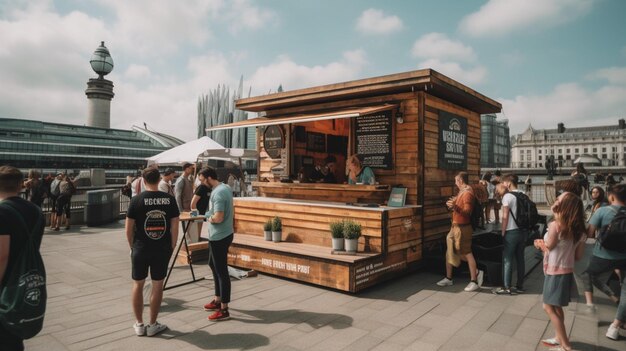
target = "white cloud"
x: 443, y: 54
x: 245, y: 15
x: 137, y: 72
x: 439, y: 46
x: 614, y: 75
x: 373, y: 21
x: 569, y: 103
x: 294, y: 76
x: 502, y: 17
x: 470, y: 76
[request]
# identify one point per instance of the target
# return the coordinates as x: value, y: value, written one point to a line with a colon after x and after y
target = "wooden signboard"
x: 452, y: 141
x: 274, y: 141
x: 373, y: 139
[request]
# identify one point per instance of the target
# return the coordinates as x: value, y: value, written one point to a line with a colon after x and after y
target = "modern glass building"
x: 495, y: 145
x: 53, y: 146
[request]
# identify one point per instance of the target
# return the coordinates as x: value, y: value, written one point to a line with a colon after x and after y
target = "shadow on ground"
x: 231, y: 341
x: 293, y: 316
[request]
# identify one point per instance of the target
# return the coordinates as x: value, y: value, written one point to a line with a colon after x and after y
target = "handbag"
x: 23, y: 296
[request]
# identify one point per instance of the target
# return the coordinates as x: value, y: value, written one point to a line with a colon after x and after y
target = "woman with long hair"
x: 598, y: 196
x: 562, y: 245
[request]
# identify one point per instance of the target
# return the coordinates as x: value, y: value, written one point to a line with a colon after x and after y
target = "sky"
x: 546, y: 61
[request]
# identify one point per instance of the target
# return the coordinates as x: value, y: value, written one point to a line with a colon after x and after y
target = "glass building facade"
x: 52, y: 146
x: 495, y: 144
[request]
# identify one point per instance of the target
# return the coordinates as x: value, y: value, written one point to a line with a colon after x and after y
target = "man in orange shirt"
x: 460, y: 235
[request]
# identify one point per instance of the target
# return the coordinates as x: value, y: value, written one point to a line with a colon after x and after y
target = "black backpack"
x: 23, y: 297
x: 613, y: 236
x: 526, y: 216
x: 477, y: 213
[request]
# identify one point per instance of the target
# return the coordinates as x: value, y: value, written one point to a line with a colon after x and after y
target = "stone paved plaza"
x: 89, y: 309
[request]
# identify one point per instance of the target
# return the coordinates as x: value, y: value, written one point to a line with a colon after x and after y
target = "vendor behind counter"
x: 357, y: 174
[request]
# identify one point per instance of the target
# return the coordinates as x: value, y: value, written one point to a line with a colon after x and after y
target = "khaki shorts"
x: 462, y: 237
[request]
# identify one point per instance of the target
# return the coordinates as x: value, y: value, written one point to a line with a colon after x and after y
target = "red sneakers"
x: 212, y: 306
x: 220, y: 315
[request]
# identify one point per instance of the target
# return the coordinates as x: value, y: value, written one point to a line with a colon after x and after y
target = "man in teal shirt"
x: 220, y: 218
x: 604, y: 260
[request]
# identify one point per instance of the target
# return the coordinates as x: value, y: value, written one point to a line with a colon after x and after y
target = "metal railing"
x: 79, y: 199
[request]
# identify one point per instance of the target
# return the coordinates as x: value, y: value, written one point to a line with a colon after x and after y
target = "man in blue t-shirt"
x: 604, y: 260
x: 220, y: 218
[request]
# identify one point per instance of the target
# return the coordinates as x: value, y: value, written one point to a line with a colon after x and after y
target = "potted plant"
x: 277, y: 229
x: 267, y: 230
x: 336, y: 232
x: 351, y: 234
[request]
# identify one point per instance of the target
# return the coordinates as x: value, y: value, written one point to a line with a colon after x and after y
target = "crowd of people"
x: 563, y: 245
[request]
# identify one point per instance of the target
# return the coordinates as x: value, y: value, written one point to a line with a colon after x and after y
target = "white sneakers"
x: 612, y: 332
x: 140, y: 329
x: 470, y: 287
x: 154, y: 329
x: 445, y: 282
x: 149, y: 330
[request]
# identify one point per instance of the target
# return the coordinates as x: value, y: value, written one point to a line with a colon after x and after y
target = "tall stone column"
x: 100, y: 93
x: 99, y: 90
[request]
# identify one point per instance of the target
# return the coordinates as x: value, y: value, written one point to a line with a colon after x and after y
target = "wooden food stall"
x: 416, y: 130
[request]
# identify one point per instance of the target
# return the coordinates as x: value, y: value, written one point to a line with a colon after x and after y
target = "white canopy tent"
x: 203, y: 148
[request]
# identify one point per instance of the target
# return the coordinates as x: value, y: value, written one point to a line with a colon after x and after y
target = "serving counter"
x: 359, y: 193
x: 390, y: 243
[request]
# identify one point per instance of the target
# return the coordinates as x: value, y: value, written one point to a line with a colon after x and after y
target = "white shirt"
x: 509, y: 200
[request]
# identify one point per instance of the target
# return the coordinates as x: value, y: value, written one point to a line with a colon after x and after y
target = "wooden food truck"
x: 415, y: 130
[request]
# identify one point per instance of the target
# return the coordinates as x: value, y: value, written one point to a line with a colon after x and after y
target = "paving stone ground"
x: 89, y: 309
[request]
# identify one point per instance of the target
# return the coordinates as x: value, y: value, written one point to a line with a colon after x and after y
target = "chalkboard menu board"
x: 316, y: 142
x: 373, y: 139
x: 274, y: 141
x: 452, y: 141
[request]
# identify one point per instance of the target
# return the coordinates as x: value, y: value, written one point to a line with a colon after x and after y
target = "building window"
x: 604, y: 156
x: 595, y: 149
x: 603, y: 149
x: 560, y: 151
x: 568, y: 151
x: 539, y: 157
x: 539, y: 151
x: 568, y: 157
x: 614, y: 149
x: 586, y: 150
x: 576, y: 150
x: 521, y: 157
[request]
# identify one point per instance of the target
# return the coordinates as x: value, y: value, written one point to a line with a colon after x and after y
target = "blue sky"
x: 546, y: 61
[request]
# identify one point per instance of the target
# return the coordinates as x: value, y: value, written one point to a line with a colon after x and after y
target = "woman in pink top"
x: 561, y: 247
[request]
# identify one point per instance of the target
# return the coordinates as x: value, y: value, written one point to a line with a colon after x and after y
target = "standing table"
x: 187, y: 220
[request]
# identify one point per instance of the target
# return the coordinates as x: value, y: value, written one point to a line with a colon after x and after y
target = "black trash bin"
x: 487, y: 249
x: 99, y: 207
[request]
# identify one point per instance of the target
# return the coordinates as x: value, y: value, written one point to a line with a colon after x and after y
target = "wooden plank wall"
x: 404, y: 232
x: 308, y: 223
x: 406, y: 170
x: 438, y: 183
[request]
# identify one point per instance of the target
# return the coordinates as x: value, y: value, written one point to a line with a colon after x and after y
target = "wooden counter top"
x: 321, y: 204
x: 324, y: 186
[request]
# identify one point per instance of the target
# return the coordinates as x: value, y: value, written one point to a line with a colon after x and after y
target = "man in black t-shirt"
x: 12, y: 236
x: 152, y: 233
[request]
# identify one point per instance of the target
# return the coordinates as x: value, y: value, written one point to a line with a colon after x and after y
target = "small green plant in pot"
x: 336, y: 232
x: 277, y: 229
x: 267, y: 230
x: 351, y: 234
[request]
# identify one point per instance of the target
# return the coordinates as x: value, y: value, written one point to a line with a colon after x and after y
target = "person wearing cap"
x: 184, y: 188
x: 165, y: 185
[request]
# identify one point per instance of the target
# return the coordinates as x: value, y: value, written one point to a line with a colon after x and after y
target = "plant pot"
x: 277, y: 237
x: 338, y: 244
x: 351, y: 244
x: 268, y: 235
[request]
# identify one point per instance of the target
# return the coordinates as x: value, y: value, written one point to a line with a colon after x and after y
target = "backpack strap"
x: 511, y: 210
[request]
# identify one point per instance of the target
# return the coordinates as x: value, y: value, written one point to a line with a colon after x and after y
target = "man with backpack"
x: 519, y: 216
x: 21, y: 231
x: 459, y: 239
x: 609, y: 252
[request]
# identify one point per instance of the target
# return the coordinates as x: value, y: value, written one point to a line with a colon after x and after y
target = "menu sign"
x: 373, y: 139
x: 452, y: 141
x: 273, y: 141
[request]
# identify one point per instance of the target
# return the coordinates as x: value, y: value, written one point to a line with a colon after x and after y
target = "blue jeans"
x: 598, y: 266
x: 514, y: 243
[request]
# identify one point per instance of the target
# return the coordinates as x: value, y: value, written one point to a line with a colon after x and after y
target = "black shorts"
x: 154, y: 259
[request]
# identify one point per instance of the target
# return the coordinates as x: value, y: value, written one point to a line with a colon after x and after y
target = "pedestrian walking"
x: 561, y: 246
x: 184, y: 188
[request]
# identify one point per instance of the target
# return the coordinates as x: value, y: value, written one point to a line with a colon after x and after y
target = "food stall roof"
x: 429, y: 80
x: 336, y: 114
